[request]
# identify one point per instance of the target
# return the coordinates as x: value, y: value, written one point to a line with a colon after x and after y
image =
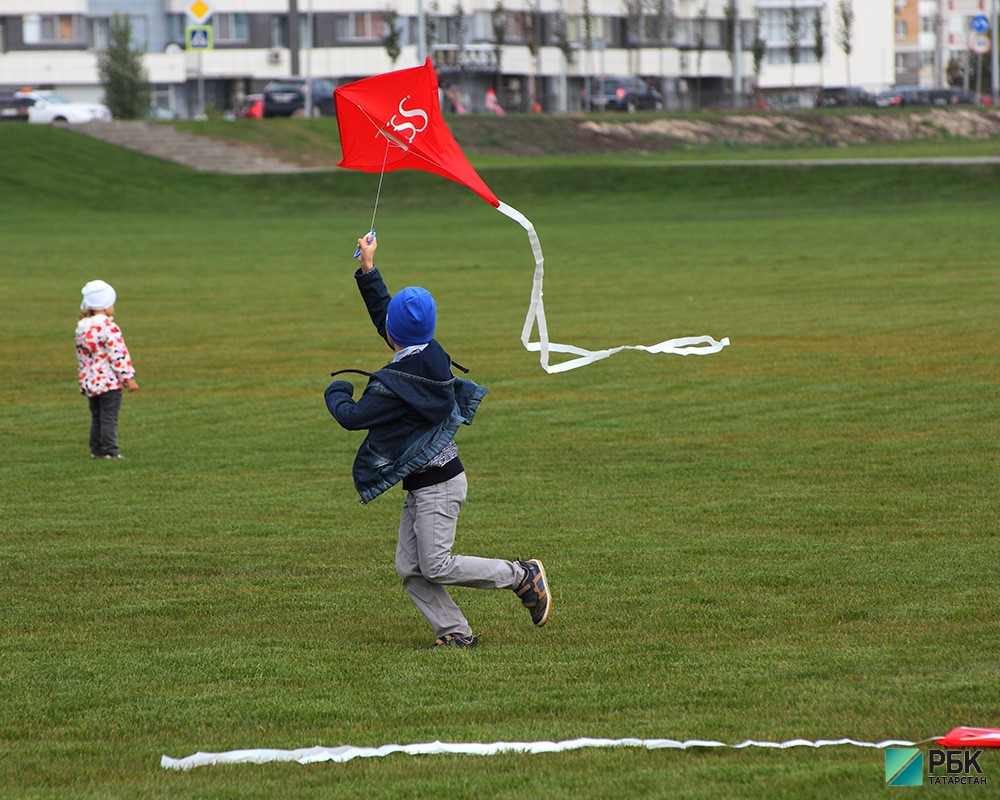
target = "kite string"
x: 379, y: 192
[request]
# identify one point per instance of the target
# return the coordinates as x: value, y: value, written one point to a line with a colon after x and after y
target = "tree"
x: 662, y: 19
x: 533, y: 38
x: 393, y: 34
x: 729, y: 37
x: 699, y: 45
x: 759, y: 52
x: 560, y: 32
x: 819, y: 42
x: 126, y: 84
x: 729, y: 28
x: 965, y: 73
x: 459, y: 27
x: 845, y: 32
x: 587, y: 19
x: 587, y: 32
x: 460, y: 24
x: 431, y: 24
x: 498, y: 20
x: 792, y: 26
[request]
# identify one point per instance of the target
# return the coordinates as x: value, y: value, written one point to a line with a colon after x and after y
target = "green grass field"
x: 794, y: 538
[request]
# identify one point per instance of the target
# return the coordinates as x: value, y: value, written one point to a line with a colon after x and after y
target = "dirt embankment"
x: 620, y: 133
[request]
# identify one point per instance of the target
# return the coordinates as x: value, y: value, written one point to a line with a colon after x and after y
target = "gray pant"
x: 425, y: 563
x: 104, y: 423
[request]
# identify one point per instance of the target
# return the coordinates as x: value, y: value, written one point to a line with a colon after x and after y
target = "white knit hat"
x: 97, y: 295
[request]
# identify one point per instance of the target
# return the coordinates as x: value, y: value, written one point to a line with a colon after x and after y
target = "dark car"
x: 950, y: 97
x: 623, y: 94
x: 841, y: 96
x: 287, y: 98
x: 912, y: 95
x: 13, y: 108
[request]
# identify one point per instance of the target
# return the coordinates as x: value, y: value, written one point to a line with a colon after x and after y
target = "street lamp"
x: 421, y: 33
x: 737, y: 52
x: 309, y: 48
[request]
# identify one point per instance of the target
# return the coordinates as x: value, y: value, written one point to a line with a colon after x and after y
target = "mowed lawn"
x: 794, y: 538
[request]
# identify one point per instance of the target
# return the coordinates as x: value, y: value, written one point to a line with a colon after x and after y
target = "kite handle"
x: 368, y: 236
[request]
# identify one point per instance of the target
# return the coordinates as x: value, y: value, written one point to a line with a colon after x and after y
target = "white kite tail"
x: 684, y: 346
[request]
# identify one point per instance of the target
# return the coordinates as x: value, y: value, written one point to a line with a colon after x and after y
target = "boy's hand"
x: 340, y: 386
x: 131, y: 384
x: 366, y: 258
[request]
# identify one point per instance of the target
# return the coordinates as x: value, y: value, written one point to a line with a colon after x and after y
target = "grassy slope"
x: 555, y: 140
x: 792, y: 538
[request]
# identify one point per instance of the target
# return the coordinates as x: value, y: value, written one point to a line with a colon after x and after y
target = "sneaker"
x: 534, y: 591
x: 117, y: 455
x: 451, y: 640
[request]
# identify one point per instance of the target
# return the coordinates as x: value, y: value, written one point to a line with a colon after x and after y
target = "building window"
x: 175, y: 27
x: 231, y: 28
x: 49, y: 29
x: 279, y: 30
x: 601, y: 30
x: 773, y: 28
x: 928, y: 24
x: 901, y: 29
x: 481, y: 27
x: 359, y: 26
x: 683, y: 33
x: 98, y: 33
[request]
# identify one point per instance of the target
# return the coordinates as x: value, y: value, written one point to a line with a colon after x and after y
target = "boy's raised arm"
x: 370, y: 284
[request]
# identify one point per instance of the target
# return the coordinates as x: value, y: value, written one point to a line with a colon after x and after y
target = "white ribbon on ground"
x: 340, y: 755
x: 684, y: 346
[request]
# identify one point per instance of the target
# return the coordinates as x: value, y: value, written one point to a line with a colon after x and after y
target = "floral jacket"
x: 102, y: 355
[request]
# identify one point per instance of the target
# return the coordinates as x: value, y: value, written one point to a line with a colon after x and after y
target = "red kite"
x: 967, y: 738
x: 393, y: 121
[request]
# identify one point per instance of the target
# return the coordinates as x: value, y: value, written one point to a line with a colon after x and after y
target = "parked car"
x: 623, y: 94
x: 161, y: 114
x: 250, y: 107
x: 13, y: 108
x: 956, y: 97
x: 840, y: 96
x: 49, y: 107
x: 888, y: 99
x: 912, y: 95
x: 287, y: 98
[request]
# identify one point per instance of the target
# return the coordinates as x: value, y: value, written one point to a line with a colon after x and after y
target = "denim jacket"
x: 411, y: 408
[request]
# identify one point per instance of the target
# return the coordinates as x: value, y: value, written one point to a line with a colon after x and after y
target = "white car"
x: 49, y: 107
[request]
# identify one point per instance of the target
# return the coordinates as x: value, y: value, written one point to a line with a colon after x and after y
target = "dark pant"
x: 104, y: 423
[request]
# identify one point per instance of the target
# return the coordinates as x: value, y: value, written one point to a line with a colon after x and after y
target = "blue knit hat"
x: 411, y: 316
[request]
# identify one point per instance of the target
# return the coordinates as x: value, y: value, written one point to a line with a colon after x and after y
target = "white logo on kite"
x: 402, y: 127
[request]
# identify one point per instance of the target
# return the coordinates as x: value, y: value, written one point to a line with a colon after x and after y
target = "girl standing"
x: 104, y: 366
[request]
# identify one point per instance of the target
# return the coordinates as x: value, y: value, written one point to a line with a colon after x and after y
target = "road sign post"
x: 995, y: 60
x: 199, y: 37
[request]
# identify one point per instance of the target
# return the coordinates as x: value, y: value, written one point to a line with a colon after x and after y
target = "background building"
x: 933, y: 35
x: 536, y: 53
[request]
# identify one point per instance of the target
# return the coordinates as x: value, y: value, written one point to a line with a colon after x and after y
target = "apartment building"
x: 930, y: 35
x: 536, y: 53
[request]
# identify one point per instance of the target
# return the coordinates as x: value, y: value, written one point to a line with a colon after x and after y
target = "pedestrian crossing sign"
x: 199, y: 37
